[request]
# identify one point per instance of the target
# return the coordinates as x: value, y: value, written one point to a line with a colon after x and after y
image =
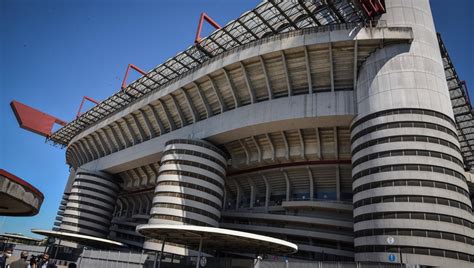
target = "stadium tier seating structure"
x: 308, y: 121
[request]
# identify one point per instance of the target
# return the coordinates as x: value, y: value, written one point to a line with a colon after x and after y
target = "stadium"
x: 339, y: 126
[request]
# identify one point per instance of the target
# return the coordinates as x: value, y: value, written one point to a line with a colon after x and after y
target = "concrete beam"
x: 247, y: 82
x: 232, y: 89
x: 190, y: 105
x: 271, y: 146
x: 267, y: 80
x: 311, y: 183
x: 179, y: 110
x: 331, y: 66
x: 308, y: 70
x: 130, y: 130
x: 149, y: 128
x: 287, y: 146
x: 168, y: 115
x: 287, y: 74
x: 218, y: 94
x: 204, y: 100
x: 141, y: 132
x: 157, y: 120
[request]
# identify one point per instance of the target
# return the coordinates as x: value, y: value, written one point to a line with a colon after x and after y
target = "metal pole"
x: 161, y: 252
x: 141, y: 257
x: 118, y: 258
x: 128, y: 260
x: 57, y: 249
x: 80, y: 260
x: 46, y: 247
x: 401, y: 256
x: 5, y: 245
x: 156, y: 258
x: 199, y: 252
x: 108, y: 259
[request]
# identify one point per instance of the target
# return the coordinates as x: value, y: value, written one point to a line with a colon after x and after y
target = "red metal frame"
x: 373, y: 7
x: 204, y: 17
x: 82, y: 104
x: 131, y: 66
x: 34, y: 120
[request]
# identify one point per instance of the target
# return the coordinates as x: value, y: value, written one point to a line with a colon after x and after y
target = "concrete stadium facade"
x: 339, y: 138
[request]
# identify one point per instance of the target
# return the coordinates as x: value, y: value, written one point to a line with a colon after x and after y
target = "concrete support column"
x: 90, y: 204
x: 408, y: 182
x: 190, y: 184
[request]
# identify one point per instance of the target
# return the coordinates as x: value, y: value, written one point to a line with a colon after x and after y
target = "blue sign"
x: 392, y: 257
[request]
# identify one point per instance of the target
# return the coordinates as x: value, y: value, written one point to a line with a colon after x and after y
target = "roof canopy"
x: 85, y: 240
x: 19, y: 237
x: 217, y: 239
x: 18, y: 197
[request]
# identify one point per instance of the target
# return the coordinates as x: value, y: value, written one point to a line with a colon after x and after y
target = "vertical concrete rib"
x: 119, y: 137
x: 311, y: 184
x: 267, y: 80
x: 287, y: 74
x: 141, y: 132
x: 157, y: 120
x: 218, y: 94
x: 272, y: 147
x: 232, y: 88
x: 287, y: 146
x: 331, y: 66
x: 124, y: 136
x: 204, y: 101
x: 178, y: 109
x: 97, y: 145
x: 114, y: 145
x: 106, y: 144
x: 247, y: 82
x: 190, y: 104
x: 149, y: 127
x: 308, y: 70
x: 167, y: 115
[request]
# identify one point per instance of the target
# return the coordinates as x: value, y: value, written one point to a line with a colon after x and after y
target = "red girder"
x: 204, y: 17
x: 131, y: 66
x: 34, y: 120
x: 373, y: 8
x: 82, y: 104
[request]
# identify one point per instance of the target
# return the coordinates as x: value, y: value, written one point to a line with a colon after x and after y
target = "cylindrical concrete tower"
x: 411, y: 200
x: 190, y: 185
x: 90, y: 204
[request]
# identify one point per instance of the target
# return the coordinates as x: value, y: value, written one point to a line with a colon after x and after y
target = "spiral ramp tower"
x: 298, y: 120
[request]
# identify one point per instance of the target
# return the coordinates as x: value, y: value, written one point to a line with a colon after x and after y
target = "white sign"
x: 390, y: 240
x: 203, y: 261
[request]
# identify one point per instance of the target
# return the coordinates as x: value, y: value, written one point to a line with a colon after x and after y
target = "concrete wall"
x: 407, y: 162
x: 90, y: 204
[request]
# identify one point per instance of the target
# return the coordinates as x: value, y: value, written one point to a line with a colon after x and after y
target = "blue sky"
x: 53, y: 52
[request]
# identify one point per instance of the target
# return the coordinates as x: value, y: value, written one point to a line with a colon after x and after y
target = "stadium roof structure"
x: 462, y: 108
x: 267, y: 19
